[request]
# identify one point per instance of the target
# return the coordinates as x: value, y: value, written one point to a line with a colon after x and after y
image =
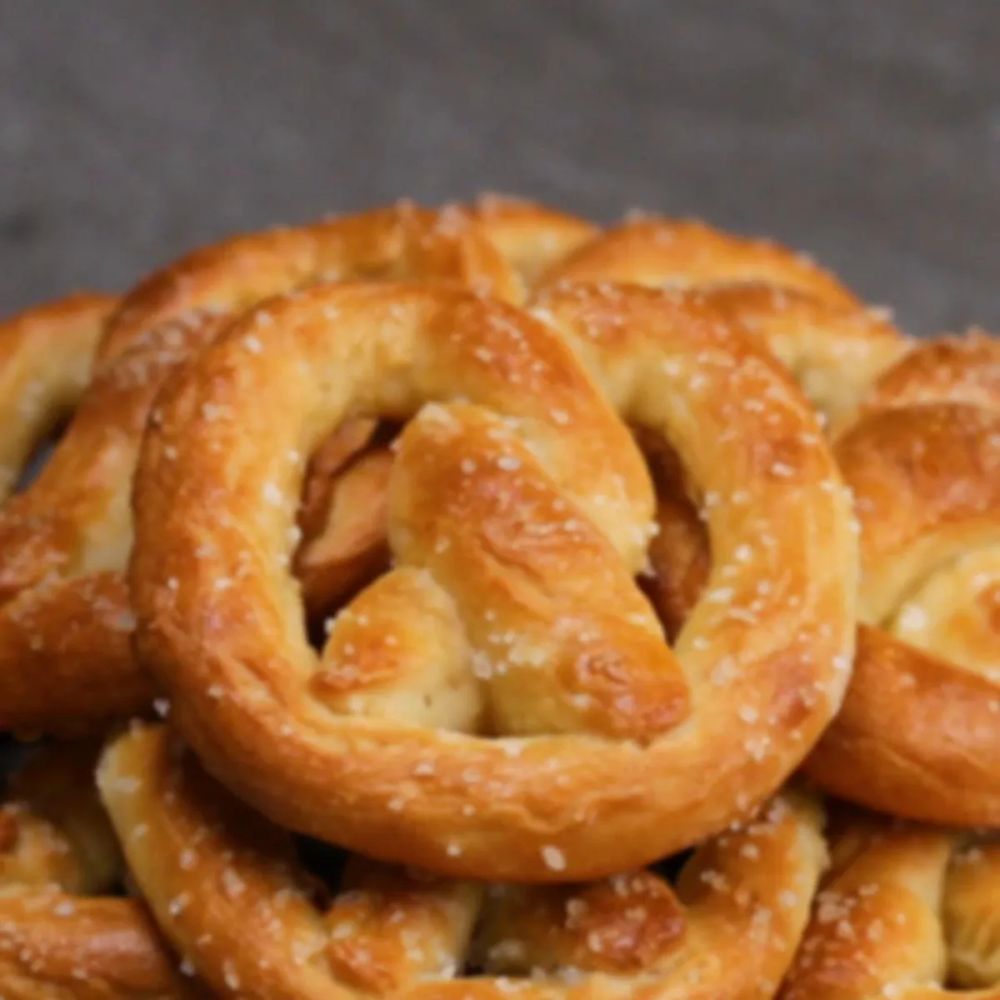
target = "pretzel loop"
x: 523, y: 575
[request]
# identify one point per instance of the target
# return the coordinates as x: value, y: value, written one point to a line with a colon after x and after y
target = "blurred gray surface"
x: 867, y: 132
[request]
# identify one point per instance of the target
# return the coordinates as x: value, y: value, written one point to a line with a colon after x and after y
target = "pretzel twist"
x: 228, y: 891
x: 903, y: 910
x: 816, y: 327
x: 508, y: 612
x: 61, y: 936
x: 919, y: 733
x: 922, y: 719
x: 64, y: 610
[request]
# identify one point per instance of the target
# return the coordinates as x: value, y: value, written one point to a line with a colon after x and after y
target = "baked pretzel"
x: 919, y: 734
x: 904, y: 910
x: 229, y: 892
x: 921, y: 727
x: 62, y: 937
x: 511, y: 612
x: 833, y: 345
x: 65, y: 624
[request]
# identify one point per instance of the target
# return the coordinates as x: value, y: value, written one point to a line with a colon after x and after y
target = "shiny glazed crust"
x: 919, y: 734
x: 229, y: 893
x: 903, y: 910
x: 614, y: 752
x: 65, y: 540
x: 61, y: 938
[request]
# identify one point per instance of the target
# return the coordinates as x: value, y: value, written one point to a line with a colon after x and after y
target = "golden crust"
x: 881, y: 922
x: 602, y: 772
x: 65, y: 540
x: 225, y: 887
x: 919, y: 734
x: 668, y: 253
x: 833, y: 345
x: 61, y: 938
x: 45, y: 358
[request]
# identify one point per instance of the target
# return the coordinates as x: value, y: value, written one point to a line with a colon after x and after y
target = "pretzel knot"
x: 922, y: 719
x: 903, y: 911
x: 64, y: 542
x: 62, y: 934
x: 233, y: 898
x: 502, y: 700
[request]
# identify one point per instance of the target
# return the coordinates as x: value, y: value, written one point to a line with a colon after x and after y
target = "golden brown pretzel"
x: 919, y: 734
x: 904, y: 910
x: 508, y: 613
x: 61, y: 936
x: 65, y: 656
x: 228, y: 891
x: 923, y: 730
x: 812, y: 323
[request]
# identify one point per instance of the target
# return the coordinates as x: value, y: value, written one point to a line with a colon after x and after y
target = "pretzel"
x: 61, y: 936
x: 65, y: 613
x: 832, y: 344
x: 227, y: 889
x: 904, y: 910
x: 921, y: 722
x: 511, y: 611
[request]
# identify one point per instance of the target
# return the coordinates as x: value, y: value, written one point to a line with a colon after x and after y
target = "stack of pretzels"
x: 475, y: 603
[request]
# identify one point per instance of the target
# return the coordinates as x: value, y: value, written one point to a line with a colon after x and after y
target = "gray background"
x: 867, y: 132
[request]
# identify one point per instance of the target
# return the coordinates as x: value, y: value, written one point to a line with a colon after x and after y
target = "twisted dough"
x: 833, y: 347
x: 64, y: 611
x: 919, y: 733
x: 228, y: 891
x: 61, y: 937
x: 508, y: 612
x: 817, y: 328
x: 903, y: 910
x: 921, y: 722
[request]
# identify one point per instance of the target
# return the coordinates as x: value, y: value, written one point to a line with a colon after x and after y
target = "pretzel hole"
x: 680, y: 557
x: 46, y: 439
x: 342, y: 518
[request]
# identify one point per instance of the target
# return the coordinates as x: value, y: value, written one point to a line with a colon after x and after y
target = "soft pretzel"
x: 228, y: 891
x: 511, y: 611
x: 65, y: 656
x: 833, y: 345
x: 921, y: 722
x: 904, y: 911
x: 61, y: 936
x: 919, y: 734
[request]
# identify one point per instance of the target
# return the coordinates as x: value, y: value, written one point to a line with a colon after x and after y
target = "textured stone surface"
x: 868, y: 133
